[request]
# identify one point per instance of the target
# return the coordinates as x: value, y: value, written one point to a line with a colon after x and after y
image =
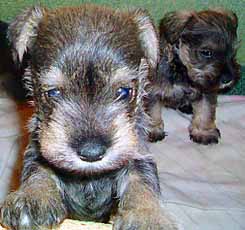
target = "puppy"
x: 87, y: 158
x: 10, y: 73
x: 198, y: 61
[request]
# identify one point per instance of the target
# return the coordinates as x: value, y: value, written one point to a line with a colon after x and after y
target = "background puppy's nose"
x: 228, y: 74
x: 226, y: 78
x: 92, y: 151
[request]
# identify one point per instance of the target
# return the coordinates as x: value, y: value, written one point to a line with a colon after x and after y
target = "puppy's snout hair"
x: 74, y: 130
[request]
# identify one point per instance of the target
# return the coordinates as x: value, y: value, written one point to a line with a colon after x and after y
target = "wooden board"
x: 80, y: 225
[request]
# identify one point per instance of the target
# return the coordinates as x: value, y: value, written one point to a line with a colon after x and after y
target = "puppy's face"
x: 207, y: 47
x: 85, y: 71
x: 87, y: 114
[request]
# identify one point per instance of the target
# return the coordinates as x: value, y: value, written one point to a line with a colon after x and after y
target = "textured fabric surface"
x: 202, y: 186
x: 9, y: 142
x: 157, y: 8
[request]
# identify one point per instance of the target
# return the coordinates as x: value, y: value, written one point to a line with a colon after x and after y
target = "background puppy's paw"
x: 156, y: 133
x: 210, y: 136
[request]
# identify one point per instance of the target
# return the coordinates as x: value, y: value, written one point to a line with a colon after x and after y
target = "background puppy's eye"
x: 123, y: 93
x: 53, y: 93
x: 206, y: 53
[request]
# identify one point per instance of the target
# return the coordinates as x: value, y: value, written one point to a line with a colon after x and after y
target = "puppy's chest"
x: 89, y: 199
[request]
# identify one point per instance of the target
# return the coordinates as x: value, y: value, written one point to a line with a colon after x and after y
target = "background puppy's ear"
x: 173, y: 24
x: 148, y: 36
x: 233, y: 18
x: 229, y: 14
x: 23, y: 30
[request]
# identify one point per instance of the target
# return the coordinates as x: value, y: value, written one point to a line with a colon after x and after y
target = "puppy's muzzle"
x: 92, y: 151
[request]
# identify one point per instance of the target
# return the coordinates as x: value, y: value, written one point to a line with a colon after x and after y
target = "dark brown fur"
x: 87, y: 156
x: 10, y: 73
x: 198, y: 61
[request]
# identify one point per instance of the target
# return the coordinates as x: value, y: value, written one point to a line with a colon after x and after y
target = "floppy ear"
x: 229, y: 14
x: 148, y: 36
x: 233, y: 18
x: 173, y: 24
x: 23, y: 30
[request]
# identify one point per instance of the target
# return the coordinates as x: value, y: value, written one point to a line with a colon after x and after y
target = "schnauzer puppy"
x: 197, y: 62
x: 87, y: 157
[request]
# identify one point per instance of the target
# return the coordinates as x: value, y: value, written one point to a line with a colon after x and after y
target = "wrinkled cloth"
x: 204, y: 186
x: 10, y: 137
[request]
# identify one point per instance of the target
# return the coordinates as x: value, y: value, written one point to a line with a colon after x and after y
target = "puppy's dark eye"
x: 53, y: 93
x: 206, y: 53
x: 123, y: 93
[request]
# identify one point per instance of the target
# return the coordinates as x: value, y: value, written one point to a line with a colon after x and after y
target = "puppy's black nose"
x: 228, y: 74
x: 92, y: 151
x: 226, y: 78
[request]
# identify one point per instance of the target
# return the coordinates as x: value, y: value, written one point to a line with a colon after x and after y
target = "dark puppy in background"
x: 198, y: 61
x: 87, y: 157
x: 10, y: 73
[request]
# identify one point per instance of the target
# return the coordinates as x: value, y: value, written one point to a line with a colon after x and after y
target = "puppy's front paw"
x: 210, y: 136
x: 156, y: 133
x: 144, y: 220
x: 26, y: 211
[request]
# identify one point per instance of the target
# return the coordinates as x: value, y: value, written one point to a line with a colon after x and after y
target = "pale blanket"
x: 204, y: 186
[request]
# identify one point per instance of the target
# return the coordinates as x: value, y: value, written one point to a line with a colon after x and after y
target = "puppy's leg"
x: 140, y: 206
x: 203, y: 129
x: 37, y: 204
x: 156, y: 129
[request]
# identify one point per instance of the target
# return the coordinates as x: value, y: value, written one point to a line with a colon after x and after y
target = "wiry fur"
x: 87, y: 53
x: 198, y: 61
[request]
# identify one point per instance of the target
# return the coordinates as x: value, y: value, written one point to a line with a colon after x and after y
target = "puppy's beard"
x: 56, y: 150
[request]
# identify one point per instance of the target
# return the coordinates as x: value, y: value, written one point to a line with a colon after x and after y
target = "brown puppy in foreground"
x: 87, y: 158
x: 198, y: 61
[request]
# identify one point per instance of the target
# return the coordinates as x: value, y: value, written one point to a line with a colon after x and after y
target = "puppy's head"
x: 87, y: 70
x: 205, y: 42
